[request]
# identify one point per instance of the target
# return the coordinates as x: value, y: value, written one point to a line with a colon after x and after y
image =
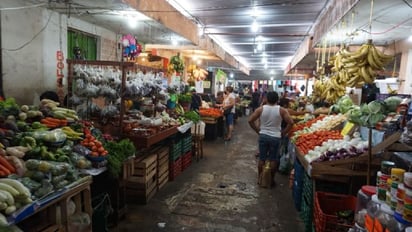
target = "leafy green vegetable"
x: 118, y: 153
x: 374, y: 107
x: 192, y: 116
x: 343, y: 105
x: 391, y: 103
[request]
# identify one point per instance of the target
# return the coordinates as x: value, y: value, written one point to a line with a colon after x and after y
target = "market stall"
x: 344, y: 149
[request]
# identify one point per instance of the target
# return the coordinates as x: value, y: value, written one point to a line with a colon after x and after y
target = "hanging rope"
x: 370, y: 20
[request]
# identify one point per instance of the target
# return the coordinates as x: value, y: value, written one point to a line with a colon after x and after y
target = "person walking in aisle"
x: 270, y: 132
x: 228, y: 107
x: 255, y: 100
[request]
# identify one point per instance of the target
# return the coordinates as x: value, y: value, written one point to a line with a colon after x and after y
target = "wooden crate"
x: 162, y: 167
x: 144, y: 170
x: 128, y: 169
x: 142, y: 185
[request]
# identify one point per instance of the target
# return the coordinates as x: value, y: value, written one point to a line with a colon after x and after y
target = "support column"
x: 405, y: 72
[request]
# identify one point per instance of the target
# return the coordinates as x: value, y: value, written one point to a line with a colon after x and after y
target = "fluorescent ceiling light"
x: 266, y: 66
x: 260, y: 47
x: 264, y: 60
x: 410, y: 38
x: 255, y: 12
x: 132, y: 21
x: 255, y: 26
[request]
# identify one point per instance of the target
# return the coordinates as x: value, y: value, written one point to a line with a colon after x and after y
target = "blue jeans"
x: 269, y: 148
x: 230, y: 119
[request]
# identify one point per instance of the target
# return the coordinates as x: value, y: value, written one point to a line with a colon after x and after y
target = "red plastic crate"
x: 186, y: 160
x: 326, y: 206
x: 175, y: 168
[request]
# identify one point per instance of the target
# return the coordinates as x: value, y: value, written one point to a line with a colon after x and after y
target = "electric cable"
x: 23, y: 7
x: 407, y: 3
x: 31, y: 40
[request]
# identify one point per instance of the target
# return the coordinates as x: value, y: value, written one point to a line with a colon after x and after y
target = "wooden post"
x: 369, y: 156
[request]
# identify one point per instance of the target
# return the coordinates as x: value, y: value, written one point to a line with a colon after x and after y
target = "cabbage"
x: 374, y: 107
x: 343, y: 105
x: 391, y: 103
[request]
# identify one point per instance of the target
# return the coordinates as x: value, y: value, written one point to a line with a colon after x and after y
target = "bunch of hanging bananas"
x: 354, y: 69
x: 318, y: 90
x: 333, y: 90
x: 196, y: 73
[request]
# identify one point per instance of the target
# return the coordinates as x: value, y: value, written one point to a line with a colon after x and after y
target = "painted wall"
x: 30, y: 40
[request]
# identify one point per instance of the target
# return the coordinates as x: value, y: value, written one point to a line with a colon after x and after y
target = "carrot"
x: 53, y: 120
x: 7, y: 164
x: 5, y: 170
x: 2, y: 174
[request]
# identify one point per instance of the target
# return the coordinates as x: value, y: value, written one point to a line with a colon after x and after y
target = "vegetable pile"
x: 338, y: 149
x: 307, y: 142
x: 210, y: 112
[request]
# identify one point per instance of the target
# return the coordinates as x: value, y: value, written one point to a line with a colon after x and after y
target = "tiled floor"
x: 218, y: 194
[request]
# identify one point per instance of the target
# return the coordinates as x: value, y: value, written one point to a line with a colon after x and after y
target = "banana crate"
x: 142, y: 185
x: 162, y: 167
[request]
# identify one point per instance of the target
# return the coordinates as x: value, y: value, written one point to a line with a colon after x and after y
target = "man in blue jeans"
x: 270, y: 131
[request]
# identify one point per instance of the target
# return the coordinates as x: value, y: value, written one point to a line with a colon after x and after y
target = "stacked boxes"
x: 186, y: 143
x: 186, y: 160
x: 142, y: 185
x: 162, y: 167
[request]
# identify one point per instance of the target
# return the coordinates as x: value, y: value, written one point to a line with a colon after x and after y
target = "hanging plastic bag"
x: 265, y: 178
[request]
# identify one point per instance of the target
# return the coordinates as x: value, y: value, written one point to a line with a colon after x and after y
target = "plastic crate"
x: 175, y: 150
x: 297, y: 185
x: 326, y: 206
x: 186, y: 160
x: 306, y: 213
x: 175, y: 168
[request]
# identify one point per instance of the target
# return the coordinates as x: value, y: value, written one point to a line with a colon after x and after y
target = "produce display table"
x: 214, y: 127
x: 148, y: 141
x: 51, y: 213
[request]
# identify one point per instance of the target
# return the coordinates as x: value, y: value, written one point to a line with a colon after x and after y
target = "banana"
x: 382, y: 56
x: 365, y: 75
x: 374, y: 60
x: 353, y: 64
x: 353, y: 80
x: 361, y: 53
x: 353, y: 70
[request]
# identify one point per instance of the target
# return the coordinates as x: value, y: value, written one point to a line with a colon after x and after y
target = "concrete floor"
x: 219, y: 194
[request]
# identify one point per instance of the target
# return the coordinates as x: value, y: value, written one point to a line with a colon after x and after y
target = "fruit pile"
x: 93, y: 144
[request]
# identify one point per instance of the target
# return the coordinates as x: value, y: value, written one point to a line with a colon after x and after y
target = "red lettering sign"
x: 60, y: 67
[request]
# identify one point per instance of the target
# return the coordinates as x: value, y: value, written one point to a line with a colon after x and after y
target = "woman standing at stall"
x: 228, y: 107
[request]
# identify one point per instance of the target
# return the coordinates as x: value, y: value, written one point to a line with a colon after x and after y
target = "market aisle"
x: 219, y: 193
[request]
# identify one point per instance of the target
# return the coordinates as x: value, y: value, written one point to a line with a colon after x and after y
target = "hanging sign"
x: 60, y: 68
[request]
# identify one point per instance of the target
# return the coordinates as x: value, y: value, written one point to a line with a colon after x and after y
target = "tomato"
x: 92, y: 144
x: 98, y: 144
x: 94, y: 148
x: 94, y: 153
x: 100, y: 150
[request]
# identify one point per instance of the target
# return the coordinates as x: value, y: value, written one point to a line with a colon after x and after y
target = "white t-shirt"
x: 271, y: 121
x: 226, y: 101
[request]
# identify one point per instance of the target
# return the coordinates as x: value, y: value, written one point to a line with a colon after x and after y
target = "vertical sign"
x: 60, y: 74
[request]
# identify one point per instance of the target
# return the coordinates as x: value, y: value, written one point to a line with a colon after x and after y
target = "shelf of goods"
x: 94, y: 87
x: 56, y: 212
